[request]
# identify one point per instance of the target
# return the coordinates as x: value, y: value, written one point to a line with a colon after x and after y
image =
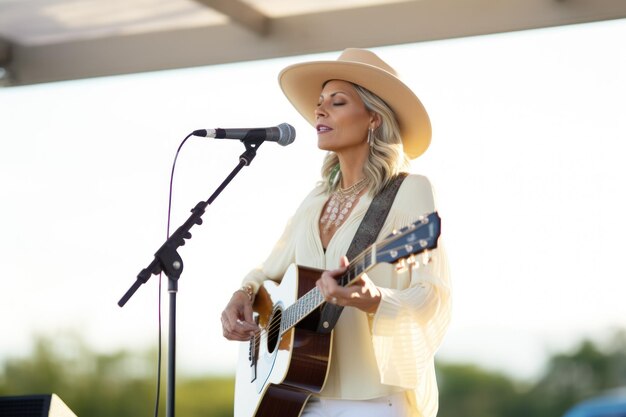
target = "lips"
x: 323, y: 128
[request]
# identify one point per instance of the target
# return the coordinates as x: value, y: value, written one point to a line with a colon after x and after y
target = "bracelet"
x: 246, y: 289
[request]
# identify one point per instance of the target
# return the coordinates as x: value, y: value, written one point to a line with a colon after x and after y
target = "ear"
x: 375, y: 120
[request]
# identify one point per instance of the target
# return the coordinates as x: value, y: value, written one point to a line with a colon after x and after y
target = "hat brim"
x: 302, y: 84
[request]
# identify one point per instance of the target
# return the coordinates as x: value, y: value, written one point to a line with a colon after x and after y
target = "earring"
x: 370, y: 136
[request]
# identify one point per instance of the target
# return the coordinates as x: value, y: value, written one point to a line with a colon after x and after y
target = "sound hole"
x: 273, y: 330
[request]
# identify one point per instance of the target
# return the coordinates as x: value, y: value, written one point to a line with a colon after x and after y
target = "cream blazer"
x: 394, y: 349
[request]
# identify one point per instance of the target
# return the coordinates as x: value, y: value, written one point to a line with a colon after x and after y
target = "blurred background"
x: 526, y: 100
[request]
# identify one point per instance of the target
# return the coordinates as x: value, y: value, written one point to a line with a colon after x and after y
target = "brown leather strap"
x: 365, y: 236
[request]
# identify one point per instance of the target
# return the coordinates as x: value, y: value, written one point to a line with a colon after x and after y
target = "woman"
x: 371, y: 124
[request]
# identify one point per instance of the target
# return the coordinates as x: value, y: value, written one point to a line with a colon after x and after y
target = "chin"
x: 323, y: 145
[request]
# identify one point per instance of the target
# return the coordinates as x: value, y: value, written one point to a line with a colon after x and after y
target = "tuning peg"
x: 426, y: 258
x: 401, y: 266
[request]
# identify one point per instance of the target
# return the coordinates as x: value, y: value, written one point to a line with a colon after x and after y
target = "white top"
x: 393, y: 351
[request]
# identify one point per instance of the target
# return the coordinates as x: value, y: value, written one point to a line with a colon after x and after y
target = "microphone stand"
x: 167, y: 260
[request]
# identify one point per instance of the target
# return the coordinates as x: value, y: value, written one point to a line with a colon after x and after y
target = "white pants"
x: 395, y: 405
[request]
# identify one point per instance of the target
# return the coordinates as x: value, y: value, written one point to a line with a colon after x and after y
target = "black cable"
x: 169, y: 217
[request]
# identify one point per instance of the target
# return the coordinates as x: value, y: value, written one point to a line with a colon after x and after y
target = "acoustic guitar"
x: 287, y: 360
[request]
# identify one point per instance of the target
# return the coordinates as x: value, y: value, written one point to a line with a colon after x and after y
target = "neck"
x: 352, y: 168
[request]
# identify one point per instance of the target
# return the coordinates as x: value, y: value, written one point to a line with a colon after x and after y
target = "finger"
x: 234, y: 328
x: 329, y: 283
x: 227, y: 327
x: 334, y: 273
x: 344, y: 262
x: 238, y: 335
x: 322, y: 285
x: 247, y: 312
x: 244, y: 327
x: 326, y: 282
x: 329, y: 288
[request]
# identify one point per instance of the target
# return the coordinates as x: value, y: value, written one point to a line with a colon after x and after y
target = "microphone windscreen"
x: 287, y: 134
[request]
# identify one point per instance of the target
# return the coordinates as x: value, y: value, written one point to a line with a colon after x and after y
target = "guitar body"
x: 276, y: 373
x: 288, y: 359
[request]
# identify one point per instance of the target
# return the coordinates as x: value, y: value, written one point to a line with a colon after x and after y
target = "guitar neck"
x: 399, y: 246
x: 314, y: 298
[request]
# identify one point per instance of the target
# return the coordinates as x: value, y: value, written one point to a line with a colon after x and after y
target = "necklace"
x: 340, y: 204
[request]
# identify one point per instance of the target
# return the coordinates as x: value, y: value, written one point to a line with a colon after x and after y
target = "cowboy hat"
x: 302, y: 84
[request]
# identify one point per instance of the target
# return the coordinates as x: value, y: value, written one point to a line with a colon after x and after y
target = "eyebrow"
x: 335, y: 93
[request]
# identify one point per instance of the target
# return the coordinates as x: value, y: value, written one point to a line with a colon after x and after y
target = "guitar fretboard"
x: 410, y: 240
x: 306, y: 304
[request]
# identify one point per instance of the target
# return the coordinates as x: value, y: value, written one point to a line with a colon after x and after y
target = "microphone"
x: 284, y: 134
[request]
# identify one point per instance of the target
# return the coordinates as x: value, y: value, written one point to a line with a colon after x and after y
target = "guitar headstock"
x: 416, y: 238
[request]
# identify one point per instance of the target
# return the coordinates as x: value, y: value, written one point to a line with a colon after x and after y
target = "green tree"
x: 123, y: 384
x: 570, y: 378
x: 468, y: 391
x: 104, y: 385
x: 195, y: 397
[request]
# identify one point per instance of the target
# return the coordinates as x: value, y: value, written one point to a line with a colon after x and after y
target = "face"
x: 342, y: 121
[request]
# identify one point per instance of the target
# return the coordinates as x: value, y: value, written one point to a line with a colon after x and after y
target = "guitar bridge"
x: 253, y: 352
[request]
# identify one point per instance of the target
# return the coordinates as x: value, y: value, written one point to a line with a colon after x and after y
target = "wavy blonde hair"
x: 386, y: 157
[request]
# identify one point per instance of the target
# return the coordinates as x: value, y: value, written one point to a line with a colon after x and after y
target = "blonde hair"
x: 386, y: 157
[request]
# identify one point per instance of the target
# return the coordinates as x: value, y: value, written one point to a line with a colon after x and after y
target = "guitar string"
x: 354, y: 262
x: 275, y: 326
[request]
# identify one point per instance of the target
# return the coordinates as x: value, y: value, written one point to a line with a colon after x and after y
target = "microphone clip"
x: 251, y: 146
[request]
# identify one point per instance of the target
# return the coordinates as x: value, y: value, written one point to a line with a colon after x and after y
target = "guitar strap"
x: 365, y: 236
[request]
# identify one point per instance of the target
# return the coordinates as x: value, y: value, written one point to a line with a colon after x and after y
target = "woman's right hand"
x: 237, y: 322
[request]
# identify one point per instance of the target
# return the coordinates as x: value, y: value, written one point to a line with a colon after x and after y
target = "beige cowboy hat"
x: 302, y: 84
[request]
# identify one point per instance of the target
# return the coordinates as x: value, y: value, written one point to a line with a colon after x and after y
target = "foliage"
x: 99, y: 385
x: 466, y: 390
x: 122, y: 384
x: 586, y: 372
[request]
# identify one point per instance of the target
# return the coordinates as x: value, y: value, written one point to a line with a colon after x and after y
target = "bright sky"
x: 527, y: 161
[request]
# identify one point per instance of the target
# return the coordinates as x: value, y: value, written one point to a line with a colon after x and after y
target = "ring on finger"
x: 333, y: 300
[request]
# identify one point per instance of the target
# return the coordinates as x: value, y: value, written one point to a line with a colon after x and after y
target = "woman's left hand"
x: 362, y: 294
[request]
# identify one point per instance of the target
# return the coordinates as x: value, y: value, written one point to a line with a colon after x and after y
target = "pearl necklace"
x: 340, y: 204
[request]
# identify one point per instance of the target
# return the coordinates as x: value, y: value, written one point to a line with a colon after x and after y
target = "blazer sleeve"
x: 411, y: 320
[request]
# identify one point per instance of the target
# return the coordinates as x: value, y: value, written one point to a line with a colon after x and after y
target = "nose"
x: 320, y: 111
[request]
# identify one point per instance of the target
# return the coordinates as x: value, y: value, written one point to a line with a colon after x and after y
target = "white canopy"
x: 51, y: 40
